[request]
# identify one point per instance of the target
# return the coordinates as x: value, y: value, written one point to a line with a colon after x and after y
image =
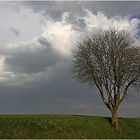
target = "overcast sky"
x: 36, y: 41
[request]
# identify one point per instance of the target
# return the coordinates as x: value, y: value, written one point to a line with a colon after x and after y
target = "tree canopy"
x: 111, y: 61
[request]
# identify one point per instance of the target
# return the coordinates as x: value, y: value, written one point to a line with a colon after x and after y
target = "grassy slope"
x: 65, y: 126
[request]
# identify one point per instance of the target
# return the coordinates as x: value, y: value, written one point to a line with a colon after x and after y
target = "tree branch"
x: 126, y: 89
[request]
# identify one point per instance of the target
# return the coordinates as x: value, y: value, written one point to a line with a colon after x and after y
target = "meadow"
x: 66, y: 126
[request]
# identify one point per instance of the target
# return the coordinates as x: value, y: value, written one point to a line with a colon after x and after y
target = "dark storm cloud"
x: 113, y: 8
x: 28, y: 61
x: 55, y: 96
x: 60, y: 95
x: 55, y: 9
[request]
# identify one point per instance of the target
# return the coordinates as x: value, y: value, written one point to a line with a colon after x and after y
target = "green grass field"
x: 65, y: 126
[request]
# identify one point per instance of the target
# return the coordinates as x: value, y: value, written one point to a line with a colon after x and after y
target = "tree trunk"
x: 114, y: 122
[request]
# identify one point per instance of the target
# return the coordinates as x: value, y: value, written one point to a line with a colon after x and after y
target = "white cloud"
x: 64, y: 37
x: 101, y: 21
x: 60, y: 34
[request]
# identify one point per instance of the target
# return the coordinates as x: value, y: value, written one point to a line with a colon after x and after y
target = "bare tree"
x: 111, y: 61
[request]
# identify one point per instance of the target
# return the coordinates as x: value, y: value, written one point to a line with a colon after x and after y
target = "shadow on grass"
x: 108, y: 119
